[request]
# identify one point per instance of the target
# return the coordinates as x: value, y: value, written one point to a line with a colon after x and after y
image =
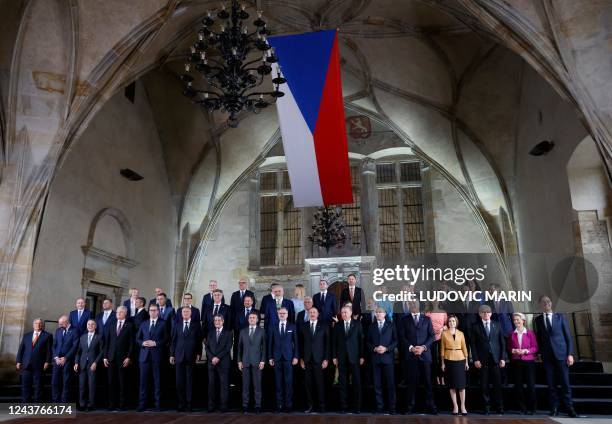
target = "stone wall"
x: 122, y: 135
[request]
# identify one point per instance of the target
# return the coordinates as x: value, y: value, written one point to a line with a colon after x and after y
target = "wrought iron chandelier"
x: 328, y: 229
x: 223, y: 56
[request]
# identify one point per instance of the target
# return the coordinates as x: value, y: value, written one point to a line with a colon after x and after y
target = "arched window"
x: 400, y: 208
x: 280, y: 229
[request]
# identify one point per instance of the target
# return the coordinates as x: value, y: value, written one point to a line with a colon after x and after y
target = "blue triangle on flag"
x: 304, y: 60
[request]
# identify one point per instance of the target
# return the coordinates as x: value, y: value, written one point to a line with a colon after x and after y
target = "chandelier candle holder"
x: 328, y: 229
x: 221, y: 58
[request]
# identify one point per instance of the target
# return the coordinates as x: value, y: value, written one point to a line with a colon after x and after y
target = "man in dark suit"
x: 303, y: 317
x: 185, y: 351
x: 218, y: 307
x: 33, y: 359
x: 130, y: 303
x: 314, y: 357
x: 80, y: 316
x: 382, y: 341
x: 207, y: 299
x: 105, y: 318
x: 355, y: 295
x: 166, y: 312
x: 251, y: 360
x: 155, y: 300
x: 241, y: 320
x: 348, y: 356
x: 325, y: 303
x: 119, y: 350
x: 283, y: 354
x: 488, y: 347
x: 65, y: 344
x: 417, y: 336
x: 141, y: 315
x: 237, y: 299
x: 88, y: 357
x: 267, y: 298
x: 502, y: 310
x: 218, y: 348
x: 557, y: 350
x: 188, y: 303
x: 152, y: 338
x: 273, y: 306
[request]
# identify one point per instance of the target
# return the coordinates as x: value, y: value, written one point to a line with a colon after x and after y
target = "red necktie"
x: 35, y: 339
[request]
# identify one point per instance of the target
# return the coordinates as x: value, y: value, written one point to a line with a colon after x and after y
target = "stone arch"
x: 124, y: 224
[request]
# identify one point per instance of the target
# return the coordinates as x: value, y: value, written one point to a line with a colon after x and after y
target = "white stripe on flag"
x: 299, y: 148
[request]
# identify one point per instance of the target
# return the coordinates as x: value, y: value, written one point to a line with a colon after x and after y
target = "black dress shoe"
x: 357, y: 411
x: 464, y: 414
x: 572, y: 413
x: 454, y: 413
x: 554, y: 412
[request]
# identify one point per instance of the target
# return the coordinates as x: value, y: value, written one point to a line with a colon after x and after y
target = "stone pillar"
x: 254, y: 261
x: 369, y: 209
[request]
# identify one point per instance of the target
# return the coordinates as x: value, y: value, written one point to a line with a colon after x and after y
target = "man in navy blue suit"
x: 105, y: 319
x: 557, y: 350
x: 218, y: 307
x: 382, y: 341
x: 207, y: 299
x: 80, y: 316
x: 237, y: 299
x: 185, y: 351
x: 273, y: 306
x: 241, y: 320
x: 152, y: 337
x: 65, y: 345
x: 166, y: 312
x: 488, y: 347
x: 326, y: 303
x: 33, y: 359
x: 218, y: 352
x: 159, y: 291
x: 417, y: 336
x: 188, y: 303
x: 283, y: 354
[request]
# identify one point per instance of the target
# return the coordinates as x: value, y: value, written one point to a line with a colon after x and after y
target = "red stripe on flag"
x: 330, y: 138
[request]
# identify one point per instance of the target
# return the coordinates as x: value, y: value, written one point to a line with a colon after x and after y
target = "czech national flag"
x: 311, y: 116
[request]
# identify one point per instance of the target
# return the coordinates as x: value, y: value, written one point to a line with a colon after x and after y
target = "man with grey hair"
x: 118, y: 353
x: 33, y: 359
x: 65, y: 345
x: 208, y: 300
x: 488, y: 346
x: 273, y: 306
x: 302, y: 317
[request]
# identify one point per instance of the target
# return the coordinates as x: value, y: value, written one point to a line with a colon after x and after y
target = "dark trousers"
x: 524, y: 373
x: 118, y: 378
x: 315, y: 380
x: 415, y: 369
x: 146, y: 369
x: 184, y: 383
x: 251, y: 373
x: 557, y: 372
x: 283, y: 374
x: 31, y: 379
x: 60, y: 382
x: 388, y: 372
x: 346, y: 369
x: 490, y: 373
x: 87, y: 387
x: 220, y: 372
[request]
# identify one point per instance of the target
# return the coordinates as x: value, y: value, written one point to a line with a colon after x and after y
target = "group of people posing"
x: 326, y: 337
